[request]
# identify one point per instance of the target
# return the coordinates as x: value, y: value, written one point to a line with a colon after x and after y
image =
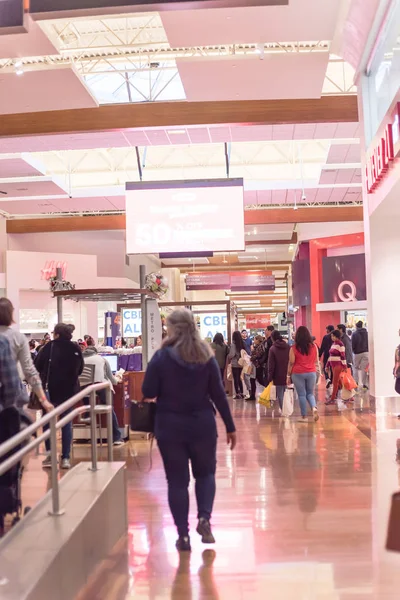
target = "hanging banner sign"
x: 208, y: 281
x: 247, y: 282
x: 154, y: 327
x: 237, y: 281
x: 258, y: 321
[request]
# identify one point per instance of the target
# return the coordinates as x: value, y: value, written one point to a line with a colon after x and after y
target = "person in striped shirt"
x: 337, y: 362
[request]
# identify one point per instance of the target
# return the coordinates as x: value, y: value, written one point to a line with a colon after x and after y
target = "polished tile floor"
x: 301, y: 513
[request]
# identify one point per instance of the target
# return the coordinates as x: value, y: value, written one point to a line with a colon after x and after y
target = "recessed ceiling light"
x: 255, y: 231
x: 177, y: 132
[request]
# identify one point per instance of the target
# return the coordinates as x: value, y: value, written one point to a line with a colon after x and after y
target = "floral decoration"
x: 157, y: 283
x: 57, y: 286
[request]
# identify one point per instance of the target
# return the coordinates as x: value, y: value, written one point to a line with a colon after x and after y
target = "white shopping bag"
x: 348, y: 394
x: 272, y: 393
x: 288, y: 402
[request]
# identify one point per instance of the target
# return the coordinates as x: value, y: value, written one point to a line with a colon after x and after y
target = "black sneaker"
x: 183, y: 544
x: 328, y: 384
x: 204, y: 529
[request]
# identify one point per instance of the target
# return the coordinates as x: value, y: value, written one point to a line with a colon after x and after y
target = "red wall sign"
x: 379, y: 162
x: 50, y: 269
x: 380, y: 159
x: 258, y: 321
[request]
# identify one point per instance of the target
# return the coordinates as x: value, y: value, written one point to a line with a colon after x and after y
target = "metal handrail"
x: 51, y: 433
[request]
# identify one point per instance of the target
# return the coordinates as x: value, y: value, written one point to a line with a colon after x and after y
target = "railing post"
x: 109, y: 425
x: 55, y: 492
x: 93, y: 434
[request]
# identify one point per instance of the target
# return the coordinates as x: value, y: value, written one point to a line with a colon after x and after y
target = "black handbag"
x: 34, y: 402
x: 143, y: 416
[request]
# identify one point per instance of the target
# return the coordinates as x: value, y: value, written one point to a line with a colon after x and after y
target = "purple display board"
x: 11, y: 16
x: 301, y: 282
x: 246, y: 281
x: 130, y: 362
x: 344, y: 278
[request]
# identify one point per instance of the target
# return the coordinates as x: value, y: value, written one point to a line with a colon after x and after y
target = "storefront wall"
x: 27, y: 287
x: 378, y: 106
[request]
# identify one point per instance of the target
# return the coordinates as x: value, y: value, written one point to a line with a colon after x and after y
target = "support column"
x: 382, y: 231
x: 144, y: 317
x: 59, y: 300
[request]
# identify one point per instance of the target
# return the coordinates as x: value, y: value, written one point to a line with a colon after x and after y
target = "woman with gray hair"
x: 184, y: 377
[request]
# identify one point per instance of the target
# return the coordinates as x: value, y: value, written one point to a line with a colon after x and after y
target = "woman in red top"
x: 337, y: 362
x: 302, y: 370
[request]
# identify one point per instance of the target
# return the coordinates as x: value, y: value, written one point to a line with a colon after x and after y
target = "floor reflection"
x: 301, y: 513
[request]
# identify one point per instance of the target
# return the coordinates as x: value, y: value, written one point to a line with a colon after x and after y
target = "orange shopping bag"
x: 348, y: 381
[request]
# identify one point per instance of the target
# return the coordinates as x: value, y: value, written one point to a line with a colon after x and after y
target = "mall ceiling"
x: 260, y: 92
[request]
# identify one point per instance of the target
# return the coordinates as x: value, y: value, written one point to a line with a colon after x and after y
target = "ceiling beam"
x: 111, y: 117
x: 277, y: 265
x: 317, y: 214
x: 292, y: 240
x: 267, y: 216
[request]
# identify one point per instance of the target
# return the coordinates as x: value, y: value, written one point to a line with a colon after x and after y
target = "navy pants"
x: 176, y: 458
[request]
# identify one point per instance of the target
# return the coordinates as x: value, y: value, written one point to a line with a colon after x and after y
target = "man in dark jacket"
x: 59, y: 364
x: 347, y: 344
x: 359, y: 342
x: 278, y: 360
x: 268, y: 342
x: 324, y: 352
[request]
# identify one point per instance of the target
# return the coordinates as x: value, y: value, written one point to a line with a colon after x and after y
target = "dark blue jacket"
x: 187, y: 394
